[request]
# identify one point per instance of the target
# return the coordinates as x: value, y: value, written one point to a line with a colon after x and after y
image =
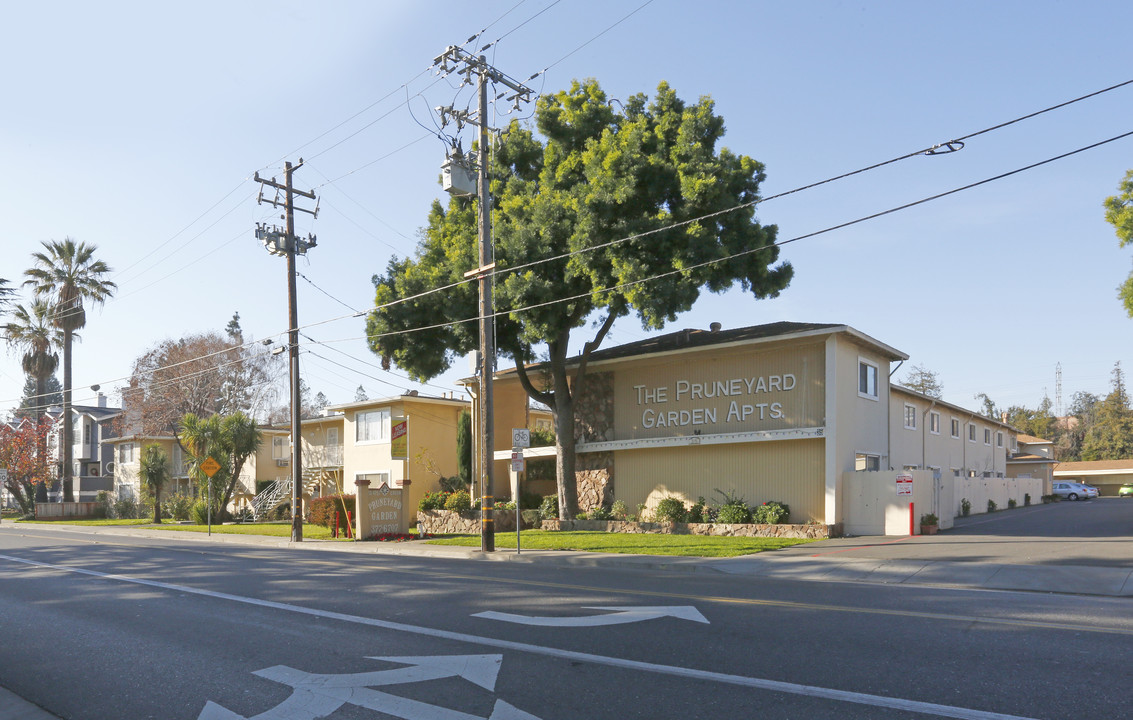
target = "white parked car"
x: 1074, y: 491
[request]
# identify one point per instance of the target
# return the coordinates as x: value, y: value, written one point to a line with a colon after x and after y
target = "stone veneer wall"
x: 810, y: 532
x: 447, y: 522
x: 594, y: 422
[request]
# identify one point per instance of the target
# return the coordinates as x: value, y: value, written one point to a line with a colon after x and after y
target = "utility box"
x: 457, y: 178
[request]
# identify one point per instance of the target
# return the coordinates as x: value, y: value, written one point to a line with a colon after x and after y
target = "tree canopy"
x: 924, y: 381
x: 597, y: 214
x: 1119, y: 213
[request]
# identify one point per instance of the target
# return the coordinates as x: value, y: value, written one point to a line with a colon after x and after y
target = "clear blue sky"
x: 137, y: 127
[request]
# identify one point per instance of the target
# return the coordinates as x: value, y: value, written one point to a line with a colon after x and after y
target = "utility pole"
x: 469, y: 65
x: 285, y: 243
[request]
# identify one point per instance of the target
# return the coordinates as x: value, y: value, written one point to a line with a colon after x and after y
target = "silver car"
x: 1073, y: 490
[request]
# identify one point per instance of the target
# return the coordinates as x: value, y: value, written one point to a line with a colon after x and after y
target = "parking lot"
x: 1095, y: 532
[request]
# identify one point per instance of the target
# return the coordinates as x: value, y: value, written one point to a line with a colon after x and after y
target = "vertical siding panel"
x: 789, y: 471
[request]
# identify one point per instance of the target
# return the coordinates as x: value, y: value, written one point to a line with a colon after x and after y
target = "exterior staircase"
x: 279, y: 491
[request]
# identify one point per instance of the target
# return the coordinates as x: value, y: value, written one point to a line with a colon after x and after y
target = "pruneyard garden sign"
x: 721, y: 394
x: 381, y: 510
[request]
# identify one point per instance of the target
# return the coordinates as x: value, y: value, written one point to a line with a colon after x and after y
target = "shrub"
x: 696, y: 512
x: 734, y: 513
x: 734, y: 509
x: 771, y: 512
x: 243, y: 515
x: 582, y: 516
x: 199, y: 512
x: 530, y: 501
x: 619, y: 511
x: 280, y: 512
x: 549, y: 508
x: 929, y: 519
x: 641, y: 512
x: 126, y: 508
x: 670, y: 509
x: 323, y: 509
x: 530, y: 517
x: 1026, y: 499
x: 176, y: 506
x: 504, y: 505
x: 459, y: 501
x: 105, y: 508
x: 965, y: 506
x: 991, y: 506
x: 600, y: 513
x: 1011, y: 503
x: 433, y: 501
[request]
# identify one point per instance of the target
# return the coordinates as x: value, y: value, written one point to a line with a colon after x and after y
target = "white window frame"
x: 280, y: 447
x: 955, y: 427
x: 971, y: 432
x: 126, y: 453
x: 999, y: 438
x: 934, y: 422
x: 362, y: 421
x: 987, y: 437
x: 910, y: 417
x: 864, y: 363
x: 864, y: 459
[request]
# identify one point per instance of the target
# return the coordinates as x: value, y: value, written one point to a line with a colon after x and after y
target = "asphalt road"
x: 98, y: 626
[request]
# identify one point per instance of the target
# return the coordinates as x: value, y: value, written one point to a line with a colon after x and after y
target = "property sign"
x: 904, y: 484
x: 520, y: 438
x: 210, y: 466
x: 385, y: 506
x: 518, y: 464
x: 399, y: 440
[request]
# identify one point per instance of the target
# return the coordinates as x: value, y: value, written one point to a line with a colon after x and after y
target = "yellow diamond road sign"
x: 210, y: 466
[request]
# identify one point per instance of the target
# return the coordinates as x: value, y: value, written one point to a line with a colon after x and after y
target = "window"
x: 869, y: 463
x: 279, y: 448
x: 987, y: 436
x: 126, y: 453
x: 955, y: 428
x: 372, y: 426
x: 376, y: 479
x: 956, y: 471
x: 934, y: 423
x: 999, y: 439
x: 867, y: 379
x: 971, y: 433
x: 910, y: 417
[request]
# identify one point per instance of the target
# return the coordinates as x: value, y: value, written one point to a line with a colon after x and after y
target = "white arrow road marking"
x: 618, y: 616
x: 765, y: 684
x: 317, y: 695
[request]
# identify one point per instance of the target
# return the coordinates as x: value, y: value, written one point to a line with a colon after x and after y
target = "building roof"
x: 411, y: 396
x: 1032, y: 440
x: 1094, y: 467
x: 692, y: 338
x: 1031, y: 459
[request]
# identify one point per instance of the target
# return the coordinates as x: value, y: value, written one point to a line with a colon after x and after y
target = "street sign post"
x: 209, y: 467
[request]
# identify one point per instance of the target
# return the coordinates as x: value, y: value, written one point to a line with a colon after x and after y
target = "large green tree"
x: 230, y: 441
x: 1110, y: 437
x: 592, y: 211
x: 67, y: 274
x: 1119, y: 213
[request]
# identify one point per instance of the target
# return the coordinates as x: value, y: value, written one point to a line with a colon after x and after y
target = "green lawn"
x: 631, y: 543
x: 310, y: 532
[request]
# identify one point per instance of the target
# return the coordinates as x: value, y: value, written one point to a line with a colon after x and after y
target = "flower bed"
x: 810, y: 532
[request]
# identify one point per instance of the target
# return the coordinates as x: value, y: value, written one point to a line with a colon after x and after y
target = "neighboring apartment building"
x: 92, y: 453
x: 1033, y: 457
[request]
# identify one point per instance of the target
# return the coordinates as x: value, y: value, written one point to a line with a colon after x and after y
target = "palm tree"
x: 154, y: 469
x: 33, y: 332
x: 67, y: 274
x: 242, y: 440
x: 203, y: 438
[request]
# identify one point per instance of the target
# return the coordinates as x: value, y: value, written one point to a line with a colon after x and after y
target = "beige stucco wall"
x: 921, y: 447
x: 854, y: 424
x: 873, y: 507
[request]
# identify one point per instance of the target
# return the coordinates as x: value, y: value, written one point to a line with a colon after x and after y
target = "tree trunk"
x: 41, y: 445
x: 564, y: 441
x: 68, y: 423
